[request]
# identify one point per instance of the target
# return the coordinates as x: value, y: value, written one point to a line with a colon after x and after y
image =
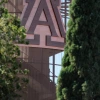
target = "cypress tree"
x: 79, y: 78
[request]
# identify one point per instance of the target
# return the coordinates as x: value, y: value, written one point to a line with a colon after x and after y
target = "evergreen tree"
x: 79, y: 78
x: 11, y: 74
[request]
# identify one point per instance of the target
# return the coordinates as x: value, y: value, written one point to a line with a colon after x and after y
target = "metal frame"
x: 65, y: 11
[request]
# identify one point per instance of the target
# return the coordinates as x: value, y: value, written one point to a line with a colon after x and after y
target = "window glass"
x: 58, y: 58
x: 57, y: 70
x: 51, y: 69
x: 57, y: 65
x: 51, y: 60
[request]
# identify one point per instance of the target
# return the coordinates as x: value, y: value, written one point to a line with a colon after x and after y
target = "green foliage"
x: 79, y: 78
x: 12, y: 77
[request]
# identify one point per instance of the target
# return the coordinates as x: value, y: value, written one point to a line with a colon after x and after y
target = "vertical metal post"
x: 65, y: 14
x: 54, y: 68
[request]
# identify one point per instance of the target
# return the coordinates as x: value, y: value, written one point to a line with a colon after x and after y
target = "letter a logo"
x: 43, y: 23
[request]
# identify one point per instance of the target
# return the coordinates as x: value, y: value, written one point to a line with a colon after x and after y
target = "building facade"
x: 46, y: 33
